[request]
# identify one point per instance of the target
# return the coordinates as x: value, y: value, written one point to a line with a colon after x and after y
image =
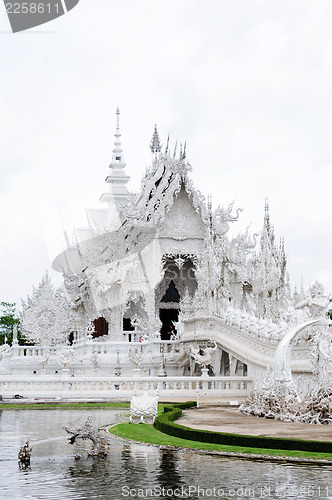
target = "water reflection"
x: 131, y: 469
x: 168, y: 475
x: 133, y: 465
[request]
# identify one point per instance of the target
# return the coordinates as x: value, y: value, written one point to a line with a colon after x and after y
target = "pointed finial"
x: 167, y: 144
x: 182, y: 152
x: 155, y: 145
x: 266, y: 206
x: 117, y: 177
x: 117, y: 158
x: 267, y: 217
x: 210, y: 204
x: 176, y: 145
x: 117, y: 118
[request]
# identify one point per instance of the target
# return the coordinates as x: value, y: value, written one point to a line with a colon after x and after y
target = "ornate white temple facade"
x: 154, y: 286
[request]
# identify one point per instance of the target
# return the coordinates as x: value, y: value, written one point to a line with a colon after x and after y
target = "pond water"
x: 136, y: 471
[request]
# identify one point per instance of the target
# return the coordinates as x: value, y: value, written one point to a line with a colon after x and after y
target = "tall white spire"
x: 117, y: 179
x: 117, y: 158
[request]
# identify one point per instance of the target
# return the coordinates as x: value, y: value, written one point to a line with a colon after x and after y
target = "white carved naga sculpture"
x: 279, y: 398
x: 315, y: 305
x: 201, y: 356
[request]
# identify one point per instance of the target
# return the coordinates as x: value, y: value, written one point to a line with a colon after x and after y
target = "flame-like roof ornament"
x: 155, y: 145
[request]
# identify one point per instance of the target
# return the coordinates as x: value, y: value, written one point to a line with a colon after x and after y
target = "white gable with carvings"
x: 182, y: 222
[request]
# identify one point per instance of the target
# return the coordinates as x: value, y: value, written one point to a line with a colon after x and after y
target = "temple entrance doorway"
x: 169, y: 311
x: 101, y: 327
x: 167, y: 317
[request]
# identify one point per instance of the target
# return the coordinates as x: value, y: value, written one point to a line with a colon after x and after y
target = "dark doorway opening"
x: 171, y: 295
x: 127, y: 326
x: 101, y: 327
x: 167, y: 316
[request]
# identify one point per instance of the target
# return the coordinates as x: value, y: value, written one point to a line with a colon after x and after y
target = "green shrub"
x: 164, y: 423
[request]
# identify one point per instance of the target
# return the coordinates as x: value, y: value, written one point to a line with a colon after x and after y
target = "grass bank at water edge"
x: 146, y: 433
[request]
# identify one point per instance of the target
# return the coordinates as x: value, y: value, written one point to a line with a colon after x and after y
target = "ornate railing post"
x: 205, y: 377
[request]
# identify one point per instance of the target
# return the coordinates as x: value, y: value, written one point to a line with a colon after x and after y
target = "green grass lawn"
x: 146, y: 433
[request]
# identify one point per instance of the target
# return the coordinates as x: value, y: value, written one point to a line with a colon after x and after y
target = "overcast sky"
x: 247, y: 83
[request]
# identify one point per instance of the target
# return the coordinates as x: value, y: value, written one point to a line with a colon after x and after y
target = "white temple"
x: 154, y: 286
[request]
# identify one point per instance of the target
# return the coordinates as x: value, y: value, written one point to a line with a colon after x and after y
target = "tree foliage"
x: 329, y: 312
x: 7, y: 321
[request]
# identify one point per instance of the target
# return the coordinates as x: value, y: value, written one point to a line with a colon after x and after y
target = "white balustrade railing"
x: 103, y: 348
x: 66, y: 386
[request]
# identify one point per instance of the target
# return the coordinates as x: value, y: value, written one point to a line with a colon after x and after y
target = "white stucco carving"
x: 46, y: 315
x: 143, y: 408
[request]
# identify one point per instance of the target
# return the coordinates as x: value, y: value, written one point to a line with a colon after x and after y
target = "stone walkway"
x: 229, y: 419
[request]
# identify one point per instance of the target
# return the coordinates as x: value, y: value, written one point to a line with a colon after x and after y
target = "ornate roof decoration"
x: 266, y: 274
x: 155, y: 145
x: 268, y: 238
x: 221, y: 218
x: 160, y: 187
x: 46, y: 315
